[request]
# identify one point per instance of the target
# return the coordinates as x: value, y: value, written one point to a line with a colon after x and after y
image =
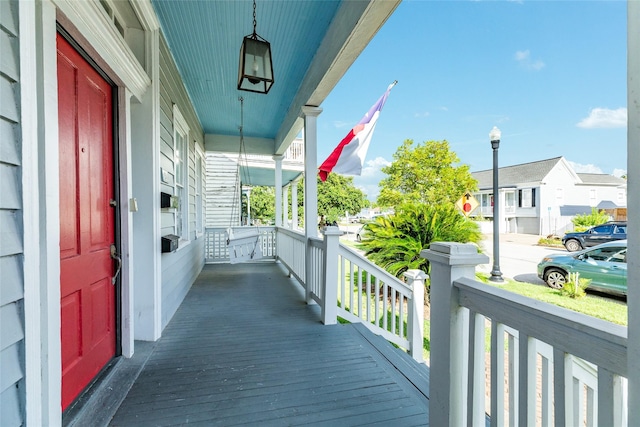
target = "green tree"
x: 425, y: 173
x: 582, y: 222
x: 263, y: 204
x: 338, y: 195
x: 394, y: 242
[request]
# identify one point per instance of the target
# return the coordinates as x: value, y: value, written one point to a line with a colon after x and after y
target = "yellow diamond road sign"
x: 467, y: 204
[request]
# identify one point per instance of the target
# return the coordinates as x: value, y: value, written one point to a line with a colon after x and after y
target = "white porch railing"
x: 386, y: 305
x: 342, y: 282
x: 291, y: 252
x: 217, y: 251
x: 548, y: 365
x: 334, y: 274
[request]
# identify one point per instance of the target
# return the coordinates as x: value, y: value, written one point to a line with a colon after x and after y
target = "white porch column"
x: 285, y: 205
x: 294, y: 205
x: 278, y: 184
x: 310, y: 184
x: 145, y: 177
x: 311, y: 170
x: 447, y: 389
x: 633, y: 205
x: 330, y: 285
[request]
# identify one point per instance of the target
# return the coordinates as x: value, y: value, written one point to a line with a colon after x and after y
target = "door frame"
x: 115, y: 152
x: 88, y: 26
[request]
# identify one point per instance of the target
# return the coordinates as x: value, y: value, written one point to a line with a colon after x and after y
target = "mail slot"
x: 165, y: 200
x: 170, y: 243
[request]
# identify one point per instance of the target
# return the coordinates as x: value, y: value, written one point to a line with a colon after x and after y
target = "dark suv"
x: 595, y: 235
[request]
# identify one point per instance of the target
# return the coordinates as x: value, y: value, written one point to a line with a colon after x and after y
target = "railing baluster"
x: 476, y: 381
x: 358, y: 280
x: 513, y: 376
x: 367, y: 283
x: 609, y: 397
x: 497, y: 374
x: 394, y: 310
x: 343, y: 291
x: 559, y: 390
x: 401, y: 315
x: 376, y: 284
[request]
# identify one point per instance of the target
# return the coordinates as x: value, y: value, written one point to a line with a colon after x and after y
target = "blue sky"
x: 550, y: 74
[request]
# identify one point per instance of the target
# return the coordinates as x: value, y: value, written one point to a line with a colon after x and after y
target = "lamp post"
x: 496, y: 275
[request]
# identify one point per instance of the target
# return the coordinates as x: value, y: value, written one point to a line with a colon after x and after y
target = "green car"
x: 605, y: 265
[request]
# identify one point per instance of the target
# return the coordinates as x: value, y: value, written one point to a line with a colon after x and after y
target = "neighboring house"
x: 542, y: 197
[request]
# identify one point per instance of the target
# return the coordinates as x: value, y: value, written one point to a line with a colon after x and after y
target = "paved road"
x: 519, y: 256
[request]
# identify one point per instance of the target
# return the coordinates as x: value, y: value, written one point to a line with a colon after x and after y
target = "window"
x: 560, y: 196
x: 592, y: 197
x: 180, y: 168
x: 527, y: 198
x: 199, y: 205
x: 509, y: 202
x: 602, y: 229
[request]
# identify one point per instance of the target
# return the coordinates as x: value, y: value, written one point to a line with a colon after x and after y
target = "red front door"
x: 87, y: 297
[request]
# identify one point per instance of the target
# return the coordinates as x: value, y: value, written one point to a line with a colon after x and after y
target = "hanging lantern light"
x: 255, y: 73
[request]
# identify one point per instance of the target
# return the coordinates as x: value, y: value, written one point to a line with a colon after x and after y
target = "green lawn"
x: 613, y: 311
x: 610, y: 310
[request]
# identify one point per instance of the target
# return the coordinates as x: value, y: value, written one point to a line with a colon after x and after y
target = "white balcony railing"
x: 216, y: 249
x: 548, y: 365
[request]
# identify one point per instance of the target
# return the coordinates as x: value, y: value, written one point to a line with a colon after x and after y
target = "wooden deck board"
x: 245, y: 349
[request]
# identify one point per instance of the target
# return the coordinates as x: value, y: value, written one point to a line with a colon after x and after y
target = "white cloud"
x: 371, y: 176
x: 425, y: 114
x: 340, y: 124
x: 523, y: 57
x: 580, y: 168
x: 619, y: 172
x: 604, y: 118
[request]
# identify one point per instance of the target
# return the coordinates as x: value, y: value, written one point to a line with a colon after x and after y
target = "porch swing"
x: 245, y: 245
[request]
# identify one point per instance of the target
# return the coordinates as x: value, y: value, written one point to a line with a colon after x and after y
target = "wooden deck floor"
x: 245, y: 349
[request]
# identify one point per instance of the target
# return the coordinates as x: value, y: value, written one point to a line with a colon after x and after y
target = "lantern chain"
x: 254, y: 18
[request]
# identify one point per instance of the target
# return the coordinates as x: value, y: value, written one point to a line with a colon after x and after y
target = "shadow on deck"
x: 244, y: 348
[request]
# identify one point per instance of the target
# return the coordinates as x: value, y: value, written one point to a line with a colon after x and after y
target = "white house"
x: 541, y: 197
x: 107, y: 111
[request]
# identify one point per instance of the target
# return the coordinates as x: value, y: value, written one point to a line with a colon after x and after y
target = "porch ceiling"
x: 313, y: 43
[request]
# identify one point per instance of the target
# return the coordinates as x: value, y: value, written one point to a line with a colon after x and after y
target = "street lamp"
x: 496, y: 275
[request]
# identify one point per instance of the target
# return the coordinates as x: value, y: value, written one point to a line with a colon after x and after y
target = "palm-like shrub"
x: 394, y: 243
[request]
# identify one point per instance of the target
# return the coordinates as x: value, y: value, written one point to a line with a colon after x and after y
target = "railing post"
x: 415, y: 280
x: 447, y: 386
x: 330, y: 285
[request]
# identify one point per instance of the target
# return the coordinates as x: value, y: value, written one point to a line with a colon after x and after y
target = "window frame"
x: 181, y: 174
x: 200, y: 169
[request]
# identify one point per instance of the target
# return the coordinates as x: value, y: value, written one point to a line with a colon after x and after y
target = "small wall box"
x: 165, y: 200
x: 170, y: 243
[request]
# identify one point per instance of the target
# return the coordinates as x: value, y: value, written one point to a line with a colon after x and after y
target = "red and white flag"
x: 348, y: 157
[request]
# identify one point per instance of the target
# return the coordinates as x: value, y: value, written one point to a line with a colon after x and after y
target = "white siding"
x: 222, y: 190
x: 179, y: 269
x: 12, y: 396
